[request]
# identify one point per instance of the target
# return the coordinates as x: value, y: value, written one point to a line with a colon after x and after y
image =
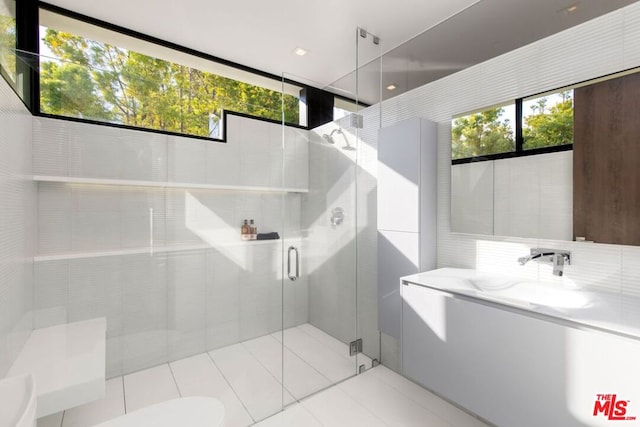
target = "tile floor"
x: 247, y: 379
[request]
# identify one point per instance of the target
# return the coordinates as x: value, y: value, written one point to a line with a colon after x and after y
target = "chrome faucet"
x: 557, y: 258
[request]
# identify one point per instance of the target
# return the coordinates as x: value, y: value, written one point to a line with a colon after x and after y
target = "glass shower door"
x: 318, y: 249
x: 329, y: 283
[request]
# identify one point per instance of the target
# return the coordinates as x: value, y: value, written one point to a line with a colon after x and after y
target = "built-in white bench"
x: 67, y: 363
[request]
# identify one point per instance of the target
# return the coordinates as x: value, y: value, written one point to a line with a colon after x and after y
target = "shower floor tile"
x: 199, y: 376
x: 149, y: 386
x: 300, y: 378
x: 247, y: 379
x: 333, y: 365
x: 259, y: 391
x: 101, y: 410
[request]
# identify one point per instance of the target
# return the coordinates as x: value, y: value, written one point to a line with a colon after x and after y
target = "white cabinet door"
x: 399, y: 177
x: 404, y: 250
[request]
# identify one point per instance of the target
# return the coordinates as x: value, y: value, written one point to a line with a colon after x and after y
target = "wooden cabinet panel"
x: 606, y: 171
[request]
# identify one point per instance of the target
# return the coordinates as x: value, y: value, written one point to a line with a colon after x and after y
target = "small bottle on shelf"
x: 253, y: 230
x: 245, y: 231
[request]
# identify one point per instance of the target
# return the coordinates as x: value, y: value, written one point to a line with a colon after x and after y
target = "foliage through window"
x: 8, y: 38
x: 548, y: 120
x: 486, y: 132
x: 85, y: 78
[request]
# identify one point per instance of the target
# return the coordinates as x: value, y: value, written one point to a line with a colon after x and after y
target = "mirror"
x: 530, y: 196
x: 529, y: 190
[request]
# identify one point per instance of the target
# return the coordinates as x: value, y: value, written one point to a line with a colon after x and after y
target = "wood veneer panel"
x: 606, y: 162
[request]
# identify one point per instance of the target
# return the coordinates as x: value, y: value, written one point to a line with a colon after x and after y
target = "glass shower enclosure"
x: 329, y: 233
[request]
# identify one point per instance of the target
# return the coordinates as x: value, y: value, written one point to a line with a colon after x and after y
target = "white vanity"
x: 520, y: 353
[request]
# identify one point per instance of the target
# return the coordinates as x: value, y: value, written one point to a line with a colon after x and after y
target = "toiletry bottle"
x: 253, y: 230
x: 245, y: 231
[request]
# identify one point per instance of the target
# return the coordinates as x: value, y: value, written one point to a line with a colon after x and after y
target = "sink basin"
x: 528, y: 293
x: 18, y: 401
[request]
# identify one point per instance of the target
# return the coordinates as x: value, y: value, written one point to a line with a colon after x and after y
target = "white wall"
x: 343, y: 295
x: 109, y: 250
x: 605, y: 45
x: 331, y: 251
x: 17, y: 226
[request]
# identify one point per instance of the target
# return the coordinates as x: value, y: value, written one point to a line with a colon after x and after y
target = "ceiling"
x: 263, y: 34
x: 485, y: 30
x: 421, y: 40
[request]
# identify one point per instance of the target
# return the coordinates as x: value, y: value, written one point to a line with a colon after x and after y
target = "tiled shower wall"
x: 602, y: 46
x: 343, y: 294
x: 110, y: 250
x: 17, y: 226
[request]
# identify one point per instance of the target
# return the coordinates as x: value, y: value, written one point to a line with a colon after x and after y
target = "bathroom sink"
x: 18, y: 401
x: 511, y: 290
x: 541, y: 294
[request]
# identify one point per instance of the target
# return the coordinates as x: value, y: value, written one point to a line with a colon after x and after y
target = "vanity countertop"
x: 612, y: 312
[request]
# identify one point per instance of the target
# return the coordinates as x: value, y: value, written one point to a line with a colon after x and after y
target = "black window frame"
x: 519, y: 140
x: 519, y: 151
x: 28, y: 48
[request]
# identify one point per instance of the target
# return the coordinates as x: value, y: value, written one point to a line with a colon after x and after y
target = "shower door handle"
x: 293, y: 277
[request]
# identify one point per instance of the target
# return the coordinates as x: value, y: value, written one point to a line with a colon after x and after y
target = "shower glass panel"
x: 368, y: 100
x: 319, y: 249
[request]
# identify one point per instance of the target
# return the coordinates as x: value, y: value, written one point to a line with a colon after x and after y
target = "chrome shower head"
x: 328, y: 138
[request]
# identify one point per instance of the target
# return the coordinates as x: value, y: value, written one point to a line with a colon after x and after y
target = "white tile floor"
x: 247, y: 378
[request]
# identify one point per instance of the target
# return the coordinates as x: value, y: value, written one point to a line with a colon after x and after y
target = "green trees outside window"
x: 99, y: 81
x: 8, y: 43
x: 547, y: 121
x: 486, y: 132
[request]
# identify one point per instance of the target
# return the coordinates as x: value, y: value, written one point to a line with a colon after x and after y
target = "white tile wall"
x: 94, y: 151
x: 187, y: 159
x: 598, y: 47
x: 186, y: 303
x: 223, y: 160
x: 329, y: 251
x: 17, y: 226
x: 144, y: 311
x: 51, y: 282
x: 252, y: 155
x: 166, y: 306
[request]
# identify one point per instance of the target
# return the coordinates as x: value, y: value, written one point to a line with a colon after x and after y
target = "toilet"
x: 186, y: 411
x: 18, y: 409
x: 18, y: 401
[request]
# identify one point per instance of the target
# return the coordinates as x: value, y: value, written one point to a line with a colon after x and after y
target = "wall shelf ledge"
x: 164, y: 184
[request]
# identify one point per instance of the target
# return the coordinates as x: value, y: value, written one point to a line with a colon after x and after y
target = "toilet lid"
x: 186, y: 411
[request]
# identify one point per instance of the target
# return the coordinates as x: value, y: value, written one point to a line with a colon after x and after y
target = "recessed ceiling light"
x: 300, y: 51
x: 391, y: 87
x: 572, y: 8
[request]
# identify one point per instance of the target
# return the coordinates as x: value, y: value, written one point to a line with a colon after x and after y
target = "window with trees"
x: 93, y: 73
x: 547, y: 120
x: 530, y: 125
x: 486, y: 132
x: 8, y: 38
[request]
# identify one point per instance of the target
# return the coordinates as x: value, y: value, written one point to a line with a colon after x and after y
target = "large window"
x: 8, y: 38
x: 532, y: 125
x: 93, y: 73
x: 485, y: 132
